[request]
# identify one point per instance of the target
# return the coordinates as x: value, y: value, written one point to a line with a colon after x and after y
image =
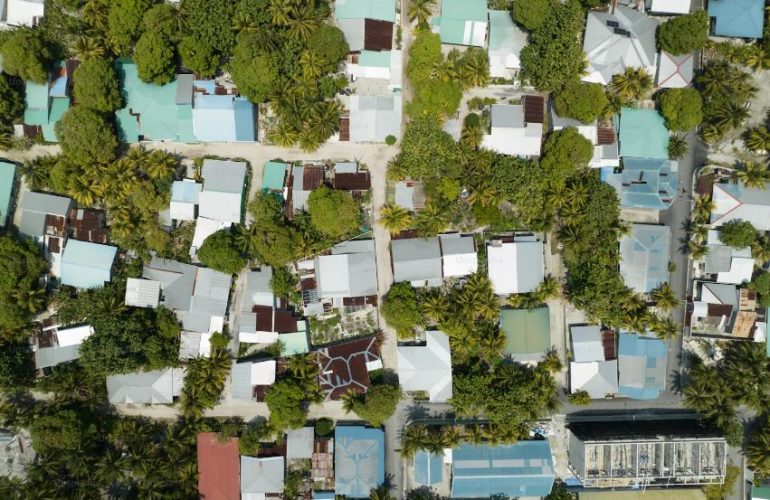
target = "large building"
x: 624, y: 454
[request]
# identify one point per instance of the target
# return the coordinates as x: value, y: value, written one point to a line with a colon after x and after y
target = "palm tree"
x: 444, y: 71
x: 760, y: 250
x: 492, y: 344
x: 435, y: 306
x: 309, y: 140
x: 758, y: 139
x: 88, y: 47
x: 284, y: 136
x: 677, y: 147
x: 475, y: 70
x: 279, y: 11
x: 397, y: 170
x: 664, y: 297
x: 758, y: 451
x: 82, y: 191
x: 715, y: 78
x: 665, y: 328
x: 731, y: 115
x: 711, y: 133
x: 395, y: 218
x: 557, y: 196
x: 697, y: 250
x: 325, y: 118
x: 577, y: 194
x: 160, y: 165
x: 302, y: 24
x: 632, y: 85
x: 350, y: 400
x: 381, y: 492
x: 311, y: 64
x: 753, y: 175
x: 550, y: 288
x: 571, y: 215
x: 95, y: 13
x: 420, y: 11
x: 474, y: 433
x: 413, y: 438
x: 431, y: 220
x: 452, y: 436
x: 703, y: 208
x: 244, y: 22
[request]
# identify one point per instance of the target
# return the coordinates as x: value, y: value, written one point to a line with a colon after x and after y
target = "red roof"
x: 378, y: 35
x: 352, y: 182
x: 343, y: 366
x: 534, y: 106
x: 219, y: 468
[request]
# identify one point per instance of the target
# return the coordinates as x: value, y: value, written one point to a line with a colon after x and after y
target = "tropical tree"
x: 474, y: 71
x: 731, y: 115
x: 381, y: 492
x: 431, y: 220
x: 435, y: 306
x: 664, y: 297
x: 753, y: 175
x: 703, y: 208
x: 758, y: 450
x: 665, y: 328
x: 677, y: 147
x: 757, y: 139
x: 420, y: 11
x: 632, y: 85
x: 760, y: 250
x: 413, y: 437
x: 160, y: 164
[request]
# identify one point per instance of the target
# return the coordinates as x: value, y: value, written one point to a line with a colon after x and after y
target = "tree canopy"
x: 85, y: 136
x: 531, y: 13
x: 97, y: 86
x: 28, y: 54
x: 155, y: 58
x: 20, y: 267
x: 582, y: 101
x: 401, y: 309
x: 761, y: 285
x: 286, y: 401
x: 681, y: 108
x: 738, y: 233
x: 564, y: 152
x: 425, y: 149
x: 333, y: 212
x: 124, y: 23
x: 17, y: 369
x: 253, y: 70
x: 377, y: 404
x: 220, y: 251
x: 11, y: 103
x: 684, y: 34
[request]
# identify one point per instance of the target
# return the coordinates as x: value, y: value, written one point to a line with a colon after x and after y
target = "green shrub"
x: 390, y: 140
x: 324, y: 426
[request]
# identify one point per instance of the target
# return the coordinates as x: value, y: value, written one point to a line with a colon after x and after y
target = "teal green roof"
x: 463, y: 22
x: 59, y: 105
x: 159, y: 116
x: 527, y: 332
x: 466, y: 10
x: 184, y: 116
x: 384, y: 10
x: 36, y: 98
x: 7, y: 176
x: 642, y: 134
x: 373, y: 58
x: 294, y: 343
x: 503, y: 33
x: 761, y: 492
x: 273, y: 176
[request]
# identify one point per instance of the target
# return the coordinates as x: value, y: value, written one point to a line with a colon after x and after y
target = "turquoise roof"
x: 374, y: 58
x: 384, y: 10
x: 524, y: 469
x: 738, y: 18
x: 428, y: 468
x: 294, y: 343
x: 87, y: 265
x: 273, y: 176
x: 760, y: 493
x: 645, y: 183
x: 527, y: 332
x: 359, y: 460
x: 455, y: 16
x: 642, y: 134
x: 503, y: 33
x: 37, y: 101
x: 466, y: 10
x: 159, y: 115
x: 7, y: 177
x: 59, y: 105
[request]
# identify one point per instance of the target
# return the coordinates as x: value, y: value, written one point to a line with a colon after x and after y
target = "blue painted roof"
x: 524, y: 469
x: 738, y: 18
x: 428, y: 468
x: 244, y: 120
x: 641, y: 366
x: 208, y: 85
x: 645, y: 183
x: 323, y: 495
x: 87, y: 265
x: 223, y: 118
x: 273, y: 175
x: 359, y: 460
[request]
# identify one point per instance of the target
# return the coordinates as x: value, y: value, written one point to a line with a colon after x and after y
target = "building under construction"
x: 619, y: 454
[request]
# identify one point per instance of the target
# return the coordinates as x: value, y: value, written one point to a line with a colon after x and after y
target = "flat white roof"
x: 74, y: 336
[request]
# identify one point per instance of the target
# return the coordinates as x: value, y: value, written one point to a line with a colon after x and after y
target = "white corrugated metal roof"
x: 142, y: 293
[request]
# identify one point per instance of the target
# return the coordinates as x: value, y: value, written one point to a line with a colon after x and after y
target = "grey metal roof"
x: 258, y: 291
x: 51, y: 356
x: 456, y: 244
x: 299, y: 443
x: 511, y: 116
x: 373, y: 118
x: 727, y: 294
x: 718, y: 259
x: 644, y: 257
x: 184, y: 88
x: 416, y: 259
x: 261, y: 475
x: 223, y: 176
x: 354, y: 32
x: 189, y: 345
x: 346, y: 275
x: 346, y: 167
x: 240, y: 378
x: 142, y: 293
x: 587, y: 343
x: 353, y: 246
x: 177, y: 281
x: 35, y: 206
x: 528, y: 274
x: 153, y: 387
x: 427, y: 368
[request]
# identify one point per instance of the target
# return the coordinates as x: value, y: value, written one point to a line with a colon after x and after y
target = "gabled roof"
x: 463, y: 22
x: 37, y: 103
x: 373, y: 118
x: 223, y: 118
x: 87, y: 265
x: 153, y: 387
x: 258, y: 291
x: 598, y: 378
x: 261, y: 475
x: 738, y: 202
x: 510, y: 134
x: 194, y: 345
x: 458, y: 255
x: 515, y: 267
x: 505, y: 43
x: 587, y: 343
x: 646, y: 183
x: 428, y: 468
x: 416, y: 259
x: 222, y: 194
x: 524, y: 469
x: 218, y: 467
x: 345, y: 366
x: 299, y: 443
x: 427, y: 368
x: 359, y: 460
x: 142, y: 293
x: 35, y: 206
x: 346, y: 275
x: 7, y: 180
x: 384, y: 10
x: 675, y: 71
x: 642, y: 133
x: 177, y: 281
x: 527, y: 333
x: 644, y: 257
x: 642, y: 366
x: 737, y: 18
x: 245, y: 375
x: 614, y: 42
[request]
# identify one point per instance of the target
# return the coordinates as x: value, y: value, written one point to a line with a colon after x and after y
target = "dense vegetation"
x: 726, y: 91
x: 684, y: 34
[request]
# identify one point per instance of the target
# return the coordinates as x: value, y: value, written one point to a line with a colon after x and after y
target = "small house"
x: 153, y: 387
x: 427, y: 368
x: 359, y: 460
x: 87, y: 265
x: 517, y: 129
x: 644, y: 257
x: 515, y: 266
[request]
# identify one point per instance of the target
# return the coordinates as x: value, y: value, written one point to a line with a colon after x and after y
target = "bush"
x: 401, y: 309
x: 324, y: 426
x: 684, y: 34
x: 761, y: 285
x: 681, y: 108
x: 378, y: 404
x: 472, y: 120
x: 286, y: 401
x: 582, y: 101
x: 97, y: 86
x: 253, y: 71
x: 220, y: 252
x: 86, y: 137
x: 11, y: 103
x: 531, y: 13
x: 564, y: 152
x: 390, y: 140
x: 738, y: 233
x: 580, y: 398
x: 333, y: 212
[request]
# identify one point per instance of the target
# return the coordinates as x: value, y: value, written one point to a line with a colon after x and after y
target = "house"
x: 204, y: 228
x: 154, y: 112
x: 738, y: 202
x: 375, y: 64
x: 641, y: 366
x: 602, y: 138
x: 516, y: 129
x: 261, y: 320
x: 47, y: 102
x: 505, y: 43
x: 218, y: 467
x: 87, y: 224
x: 194, y: 345
x: 142, y: 293
x: 410, y: 195
x: 65, y: 346
x: 737, y: 18
x: 642, y: 134
x: 463, y: 22
x: 350, y: 271
x: 347, y: 177
x: 722, y: 310
x: 428, y: 468
x: 197, y: 295
x: 590, y: 369
x: 524, y: 469
x: 674, y: 71
x: 252, y: 379
x: 417, y: 260
x: 367, y: 24
x: 644, y: 257
x: 427, y: 368
x: 153, y: 387
x: 87, y: 265
x: 273, y: 178
x: 223, y: 118
x: 670, y: 7
x: 359, y: 460
x: 7, y: 185
x: 300, y: 443
x: 22, y: 12
x: 727, y: 264
x: 374, y: 117
x: 527, y: 333
x: 616, y: 40
x: 44, y: 219
x: 700, y: 454
x: 515, y: 266
x: 302, y: 180
x: 346, y: 366
x: 645, y: 183
x: 261, y: 476
x: 185, y: 195
x: 16, y: 453
x: 458, y: 255
x: 222, y: 196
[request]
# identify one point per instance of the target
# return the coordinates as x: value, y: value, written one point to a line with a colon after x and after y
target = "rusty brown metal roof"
x: 609, y: 344
x: 534, y: 108
x: 344, y: 128
x: 606, y: 135
x: 344, y: 366
x: 353, y: 182
x: 378, y: 35
x: 312, y: 177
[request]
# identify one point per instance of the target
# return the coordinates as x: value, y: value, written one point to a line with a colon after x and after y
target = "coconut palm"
x: 486, y: 196
x: 244, y: 22
x: 632, y: 85
x: 550, y: 288
x: 731, y: 115
x: 474, y: 433
x: 677, y: 147
x: 557, y: 196
x: 571, y: 215
x: 88, y: 47
x: 284, y: 136
x: 444, y: 71
x: 703, y: 207
x: 758, y: 139
x: 413, y: 438
x: 758, y: 451
x: 431, y: 220
x: 381, y: 492
x: 665, y: 328
x: 420, y: 11
x: 475, y: 70
x: 312, y: 65
x: 302, y: 23
x: 350, y: 400
x: 81, y: 190
x: 397, y: 170
x: 753, y: 175
x: 452, y: 436
x: 760, y: 250
x: 577, y: 194
x: 664, y: 297
x: 712, y: 133
x: 435, y: 306
x: 697, y: 250
x: 325, y: 118
x: 280, y: 11
x: 395, y: 218
x: 715, y: 78
x: 492, y: 344
x: 309, y: 140
x: 95, y: 13
x: 160, y: 165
